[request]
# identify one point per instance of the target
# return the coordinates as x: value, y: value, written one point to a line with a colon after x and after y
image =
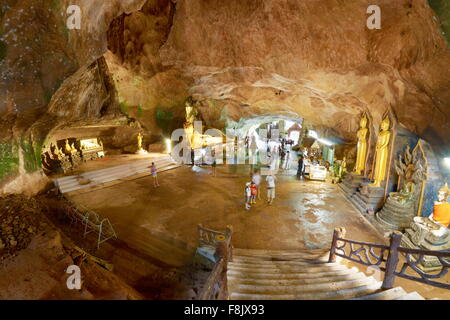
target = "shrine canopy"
x: 294, y: 127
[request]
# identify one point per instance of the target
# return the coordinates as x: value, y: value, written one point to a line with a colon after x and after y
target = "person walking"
x: 300, y: 168
x: 154, y: 173
x: 248, y: 196
x: 256, y: 178
x: 287, y: 160
x: 270, y: 179
x: 213, y: 166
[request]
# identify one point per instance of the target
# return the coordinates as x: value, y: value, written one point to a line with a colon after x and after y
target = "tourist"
x: 254, y: 191
x: 193, y: 156
x: 270, y: 179
x: 282, y: 152
x: 154, y: 173
x: 248, y: 194
x: 213, y: 166
x: 287, y: 161
x: 256, y: 178
x: 300, y: 168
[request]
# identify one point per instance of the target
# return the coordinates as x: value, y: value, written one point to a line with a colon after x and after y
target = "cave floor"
x: 163, y: 221
x: 109, y: 161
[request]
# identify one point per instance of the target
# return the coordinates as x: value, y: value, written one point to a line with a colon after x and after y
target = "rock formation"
x: 238, y: 59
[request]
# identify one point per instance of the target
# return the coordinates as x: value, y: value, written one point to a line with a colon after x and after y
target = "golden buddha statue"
x: 73, y: 149
x: 406, y: 193
x: 382, y: 153
x: 67, y: 148
x: 361, y: 147
x: 139, y: 137
x: 343, y: 167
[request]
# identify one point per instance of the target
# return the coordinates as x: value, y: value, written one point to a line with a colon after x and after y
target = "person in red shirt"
x: 254, y: 192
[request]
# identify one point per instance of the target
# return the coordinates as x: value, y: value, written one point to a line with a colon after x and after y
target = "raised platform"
x: 90, y: 179
x: 429, y: 263
x: 351, y: 183
x: 396, y: 216
x: 368, y: 198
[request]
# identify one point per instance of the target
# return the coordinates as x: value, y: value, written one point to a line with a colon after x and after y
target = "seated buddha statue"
x: 405, y: 194
x: 434, y: 228
x: 441, y: 212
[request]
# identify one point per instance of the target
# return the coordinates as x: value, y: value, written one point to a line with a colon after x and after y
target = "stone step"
x: 389, y: 294
x: 233, y: 281
x: 105, y: 176
x: 394, y: 206
x: 358, y: 203
x: 240, y: 251
x: 285, y: 276
x: 97, y: 177
x: 278, y: 265
x: 138, y: 163
x: 249, y: 259
x: 411, y: 296
x: 328, y: 295
x: 286, y: 269
x: 393, y: 222
x: 280, y: 254
x: 305, y: 288
x: 253, y: 262
x: 397, y: 215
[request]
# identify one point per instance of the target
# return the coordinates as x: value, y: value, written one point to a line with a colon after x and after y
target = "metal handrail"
x: 414, y: 257
x: 216, y: 285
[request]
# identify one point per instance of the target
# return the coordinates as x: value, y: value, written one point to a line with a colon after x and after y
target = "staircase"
x: 301, y: 275
x: 98, y: 177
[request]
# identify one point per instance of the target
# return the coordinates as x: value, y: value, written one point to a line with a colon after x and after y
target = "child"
x: 248, y: 194
x: 154, y: 175
x: 254, y: 191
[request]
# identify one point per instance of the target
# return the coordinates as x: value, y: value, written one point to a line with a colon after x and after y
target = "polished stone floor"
x: 162, y: 222
x: 303, y: 214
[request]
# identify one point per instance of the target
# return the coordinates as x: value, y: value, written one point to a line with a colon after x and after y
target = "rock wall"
x: 315, y: 60
x: 50, y: 78
x: 238, y: 58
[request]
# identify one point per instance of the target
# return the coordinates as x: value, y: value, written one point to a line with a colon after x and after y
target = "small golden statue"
x: 382, y: 153
x: 361, y: 147
x: 139, y: 138
x: 67, y: 148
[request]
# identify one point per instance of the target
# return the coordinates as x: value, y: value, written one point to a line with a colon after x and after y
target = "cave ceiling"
x: 315, y: 60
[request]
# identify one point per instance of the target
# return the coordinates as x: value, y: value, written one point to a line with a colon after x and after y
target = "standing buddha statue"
x: 382, y: 153
x: 139, y: 138
x: 361, y: 147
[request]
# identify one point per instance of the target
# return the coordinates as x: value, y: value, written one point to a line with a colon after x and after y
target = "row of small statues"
x: 68, y: 157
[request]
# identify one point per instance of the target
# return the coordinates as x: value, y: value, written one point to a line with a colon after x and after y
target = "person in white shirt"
x: 256, y: 178
x: 270, y: 179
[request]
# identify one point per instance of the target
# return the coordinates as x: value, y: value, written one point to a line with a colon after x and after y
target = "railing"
x: 216, y: 285
x: 386, y: 259
x: 91, y: 221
